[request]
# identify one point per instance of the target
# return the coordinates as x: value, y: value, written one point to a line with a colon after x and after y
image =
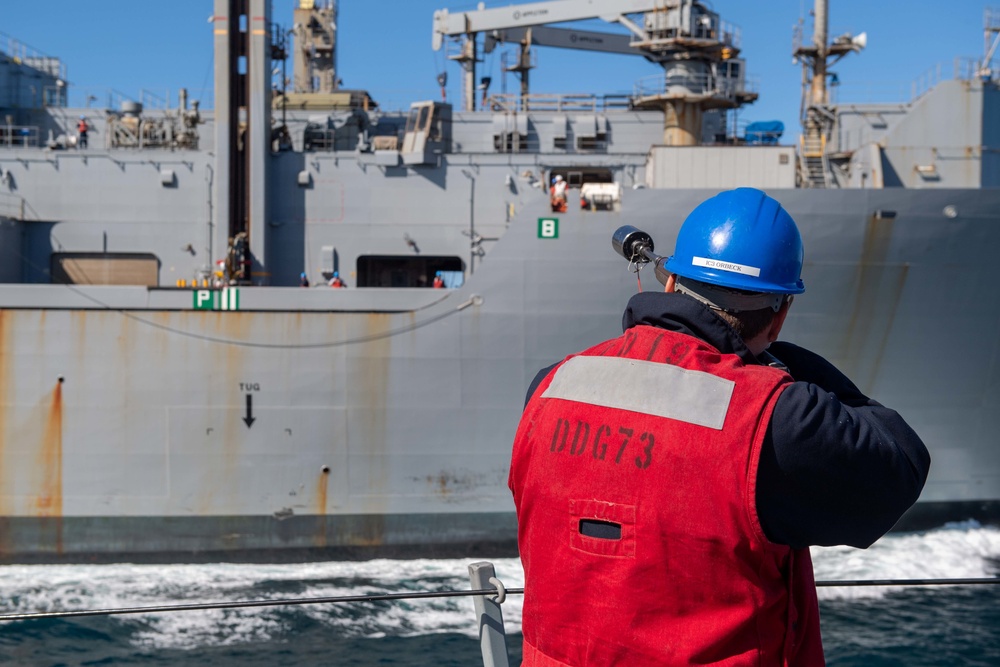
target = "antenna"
x: 817, y: 122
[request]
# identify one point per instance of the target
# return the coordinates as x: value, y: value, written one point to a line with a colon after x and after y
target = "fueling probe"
x: 637, y: 247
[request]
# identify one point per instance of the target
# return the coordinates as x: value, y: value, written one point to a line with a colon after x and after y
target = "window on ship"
x: 407, y: 270
x: 417, y: 119
x: 577, y: 176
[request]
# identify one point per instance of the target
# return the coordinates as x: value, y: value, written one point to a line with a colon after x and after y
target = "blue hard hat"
x: 437, y: 273
x: 302, y: 275
x: 740, y: 239
x: 336, y: 275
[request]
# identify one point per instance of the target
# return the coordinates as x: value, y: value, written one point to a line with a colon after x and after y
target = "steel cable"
x: 428, y: 594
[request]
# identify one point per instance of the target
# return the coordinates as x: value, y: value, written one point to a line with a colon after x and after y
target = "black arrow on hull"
x: 249, y: 420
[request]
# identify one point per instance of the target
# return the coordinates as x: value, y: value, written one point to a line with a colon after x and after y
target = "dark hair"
x: 749, y: 323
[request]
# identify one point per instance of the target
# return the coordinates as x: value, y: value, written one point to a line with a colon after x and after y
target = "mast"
x: 820, y: 30
x: 242, y: 136
x: 817, y: 117
x: 315, y: 59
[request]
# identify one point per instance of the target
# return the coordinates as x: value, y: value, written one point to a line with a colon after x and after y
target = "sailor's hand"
x: 806, y: 366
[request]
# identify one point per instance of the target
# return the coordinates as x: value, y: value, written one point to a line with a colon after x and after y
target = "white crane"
x: 523, y: 23
x: 696, y: 49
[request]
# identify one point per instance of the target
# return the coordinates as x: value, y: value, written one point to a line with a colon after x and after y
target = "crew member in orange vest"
x: 669, y: 482
x: 438, y: 280
x: 335, y: 281
x: 81, y: 128
x: 558, y: 199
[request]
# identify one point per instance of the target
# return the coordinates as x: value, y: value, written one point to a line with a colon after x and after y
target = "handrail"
x: 696, y: 84
x: 285, y: 602
x: 487, y: 590
x: 22, y: 136
x: 24, y: 54
x: 416, y: 595
x: 507, y: 102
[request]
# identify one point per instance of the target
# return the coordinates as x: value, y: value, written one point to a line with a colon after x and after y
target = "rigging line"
x: 304, y: 346
x: 474, y: 300
x: 910, y: 582
x: 425, y: 595
x: 204, y: 82
x: 256, y: 603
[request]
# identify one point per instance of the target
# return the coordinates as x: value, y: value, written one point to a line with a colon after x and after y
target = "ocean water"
x: 883, y: 626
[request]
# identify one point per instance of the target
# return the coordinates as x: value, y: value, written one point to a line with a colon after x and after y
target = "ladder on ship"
x: 812, y: 161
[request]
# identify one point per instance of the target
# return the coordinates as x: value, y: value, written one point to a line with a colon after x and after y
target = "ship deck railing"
x: 23, y: 54
x: 12, y: 206
x: 100, y: 99
x: 511, y: 102
x: 708, y: 85
x: 19, y: 136
x: 487, y: 591
x: 903, y: 92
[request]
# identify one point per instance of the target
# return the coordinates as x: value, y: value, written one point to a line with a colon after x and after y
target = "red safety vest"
x: 634, y: 475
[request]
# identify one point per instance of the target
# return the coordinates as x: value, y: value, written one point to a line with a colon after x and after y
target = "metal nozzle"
x: 629, y: 242
x: 636, y: 246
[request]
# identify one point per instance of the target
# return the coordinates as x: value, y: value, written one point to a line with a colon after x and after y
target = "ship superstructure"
x: 168, y: 391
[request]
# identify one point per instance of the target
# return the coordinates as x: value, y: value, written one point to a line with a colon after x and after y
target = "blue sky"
x: 385, y: 47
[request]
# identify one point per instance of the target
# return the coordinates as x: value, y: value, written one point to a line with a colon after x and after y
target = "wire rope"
x: 417, y: 595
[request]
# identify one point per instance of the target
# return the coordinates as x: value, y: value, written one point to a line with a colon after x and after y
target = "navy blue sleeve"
x: 836, y: 467
x: 539, y: 376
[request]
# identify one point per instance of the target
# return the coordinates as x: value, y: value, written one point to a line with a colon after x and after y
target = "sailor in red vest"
x: 438, y: 280
x: 337, y: 281
x: 82, y: 128
x: 669, y: 482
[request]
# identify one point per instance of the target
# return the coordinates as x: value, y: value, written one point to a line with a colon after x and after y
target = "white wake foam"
x: 963, y: 550
x: 957, y: 551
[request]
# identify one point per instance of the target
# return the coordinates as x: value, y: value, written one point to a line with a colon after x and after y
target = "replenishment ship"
x: 170, y: 391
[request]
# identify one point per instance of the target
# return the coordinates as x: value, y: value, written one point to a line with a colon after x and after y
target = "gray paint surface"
x: 382, y: 418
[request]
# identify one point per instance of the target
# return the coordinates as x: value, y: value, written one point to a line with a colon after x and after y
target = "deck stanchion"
x: 492, y: 639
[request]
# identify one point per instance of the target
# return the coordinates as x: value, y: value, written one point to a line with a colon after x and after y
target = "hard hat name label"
x: 726, y: 266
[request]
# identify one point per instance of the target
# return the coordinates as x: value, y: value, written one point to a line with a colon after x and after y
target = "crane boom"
x: 532, y: 14
x: 584, y: 40
x: 697, y: 50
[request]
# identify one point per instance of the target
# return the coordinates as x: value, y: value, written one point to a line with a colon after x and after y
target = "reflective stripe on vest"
x: 695, y: 397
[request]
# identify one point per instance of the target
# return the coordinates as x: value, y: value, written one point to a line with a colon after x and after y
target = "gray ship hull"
x: 125, y: 412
